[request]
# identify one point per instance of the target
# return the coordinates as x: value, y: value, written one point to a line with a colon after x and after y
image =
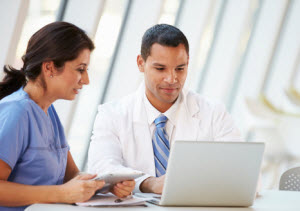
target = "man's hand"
x: 123, y: 189
x: 153, y: 185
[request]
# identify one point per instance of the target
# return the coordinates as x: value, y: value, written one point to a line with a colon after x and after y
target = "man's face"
x: 165, y: 72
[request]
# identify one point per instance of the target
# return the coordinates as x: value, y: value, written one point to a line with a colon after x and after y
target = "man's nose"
x: 171, y: 77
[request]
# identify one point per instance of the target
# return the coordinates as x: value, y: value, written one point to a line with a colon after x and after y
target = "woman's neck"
x: 39, y: 95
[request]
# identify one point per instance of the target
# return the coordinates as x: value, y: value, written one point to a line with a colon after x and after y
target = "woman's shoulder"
x: 14, y: 105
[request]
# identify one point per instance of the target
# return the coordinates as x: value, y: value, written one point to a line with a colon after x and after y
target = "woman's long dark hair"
x: 58, y: 42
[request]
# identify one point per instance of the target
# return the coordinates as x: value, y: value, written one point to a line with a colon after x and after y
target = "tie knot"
x: 160, y: 121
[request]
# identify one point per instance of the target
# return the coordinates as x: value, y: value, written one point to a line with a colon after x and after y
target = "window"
x: 105, y: 41
x: 39, y: 14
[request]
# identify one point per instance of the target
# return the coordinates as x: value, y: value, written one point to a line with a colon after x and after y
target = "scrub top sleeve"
x: 13, y: 134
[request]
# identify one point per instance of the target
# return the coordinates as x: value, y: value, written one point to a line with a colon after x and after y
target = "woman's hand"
x: 80, y: 188
x: 123, y: 189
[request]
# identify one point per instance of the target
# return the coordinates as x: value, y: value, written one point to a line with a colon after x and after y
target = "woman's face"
x: 67, y: 83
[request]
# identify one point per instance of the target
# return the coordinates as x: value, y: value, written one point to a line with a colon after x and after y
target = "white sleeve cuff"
x: 139, y: 181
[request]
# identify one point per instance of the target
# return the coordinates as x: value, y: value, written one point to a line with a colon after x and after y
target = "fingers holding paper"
x: 81, y: 188
x: 123, y: 189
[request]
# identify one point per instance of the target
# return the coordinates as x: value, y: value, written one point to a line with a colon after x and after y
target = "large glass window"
x: 228, y: 45
x: 169, y: 11
x: 40, y: 13
x: 258, y: 106
x: 200, y: 23
x: 86, y: 109
x: 284, y: 57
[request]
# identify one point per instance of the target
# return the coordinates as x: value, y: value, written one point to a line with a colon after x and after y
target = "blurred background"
x: 244, y: 53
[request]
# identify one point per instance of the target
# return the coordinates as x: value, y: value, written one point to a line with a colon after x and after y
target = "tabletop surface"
x: 266, y: 201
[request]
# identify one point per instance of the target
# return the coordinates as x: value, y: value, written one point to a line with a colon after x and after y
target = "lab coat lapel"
x: 142, y: 133
x: 187, y: 127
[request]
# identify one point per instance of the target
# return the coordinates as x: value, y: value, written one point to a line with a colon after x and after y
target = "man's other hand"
x: 153, y: 185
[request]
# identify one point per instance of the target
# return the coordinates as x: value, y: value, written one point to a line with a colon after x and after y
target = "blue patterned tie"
x: 161, y: 146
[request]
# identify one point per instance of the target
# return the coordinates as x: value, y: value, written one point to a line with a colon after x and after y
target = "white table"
x: 267, y: 201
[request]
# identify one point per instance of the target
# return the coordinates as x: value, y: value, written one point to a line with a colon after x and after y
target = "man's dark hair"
x: 162, y: 34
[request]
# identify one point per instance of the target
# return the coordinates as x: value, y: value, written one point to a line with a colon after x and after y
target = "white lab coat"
x: 121, y: 137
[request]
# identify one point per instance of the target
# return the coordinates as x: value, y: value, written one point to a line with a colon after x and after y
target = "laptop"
x: 203, y: 173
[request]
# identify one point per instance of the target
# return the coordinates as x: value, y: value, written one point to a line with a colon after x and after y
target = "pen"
x: 118, y: 200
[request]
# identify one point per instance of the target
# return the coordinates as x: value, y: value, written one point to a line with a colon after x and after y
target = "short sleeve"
x: 13, y: 133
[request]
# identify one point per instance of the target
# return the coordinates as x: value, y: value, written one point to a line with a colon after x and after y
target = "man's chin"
x: 170, y: 100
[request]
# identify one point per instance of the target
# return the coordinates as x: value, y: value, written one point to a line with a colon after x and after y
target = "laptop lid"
x: 212, y: 173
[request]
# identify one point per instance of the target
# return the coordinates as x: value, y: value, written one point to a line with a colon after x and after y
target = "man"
x: 137, y: 131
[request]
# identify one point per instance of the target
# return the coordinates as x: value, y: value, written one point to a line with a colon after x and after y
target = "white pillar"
x: 12, y: 18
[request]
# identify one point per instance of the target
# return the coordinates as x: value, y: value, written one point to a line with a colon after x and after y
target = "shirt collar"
x: 153, y: 113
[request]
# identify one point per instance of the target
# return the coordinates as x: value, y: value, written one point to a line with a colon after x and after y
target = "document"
x: 110, y: 200
x: 149, y: 197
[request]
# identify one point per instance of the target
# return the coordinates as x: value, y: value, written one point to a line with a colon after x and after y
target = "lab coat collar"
x: 140, y: 115
x: 190, y: 103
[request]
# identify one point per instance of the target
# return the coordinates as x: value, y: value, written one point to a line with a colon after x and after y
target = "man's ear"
x: 49, y: 69
x: 141, y: 63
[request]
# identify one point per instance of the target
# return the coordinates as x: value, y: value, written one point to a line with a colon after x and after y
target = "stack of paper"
x: 111, y: 200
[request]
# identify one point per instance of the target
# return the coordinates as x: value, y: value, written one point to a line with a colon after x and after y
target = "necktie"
x: 161, y: 146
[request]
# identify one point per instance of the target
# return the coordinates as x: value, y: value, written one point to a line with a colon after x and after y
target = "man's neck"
x: 160, y: 106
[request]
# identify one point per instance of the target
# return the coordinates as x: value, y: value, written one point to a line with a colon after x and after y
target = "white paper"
x: 112, y: 200
x: 148, y: 195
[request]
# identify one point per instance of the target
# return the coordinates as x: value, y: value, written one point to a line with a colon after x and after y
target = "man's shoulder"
x: 192, y: 96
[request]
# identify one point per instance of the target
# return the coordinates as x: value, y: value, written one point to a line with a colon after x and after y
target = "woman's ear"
x: 141, y: 63
x: 48, y: 69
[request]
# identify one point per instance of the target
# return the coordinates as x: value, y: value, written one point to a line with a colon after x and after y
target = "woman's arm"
x: 71, y: 170
x: 79, y: 189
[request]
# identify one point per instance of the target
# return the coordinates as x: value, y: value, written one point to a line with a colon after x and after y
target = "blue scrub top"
x: 32, y: 143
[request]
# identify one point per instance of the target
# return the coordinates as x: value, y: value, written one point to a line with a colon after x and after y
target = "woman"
x: 35, y: 163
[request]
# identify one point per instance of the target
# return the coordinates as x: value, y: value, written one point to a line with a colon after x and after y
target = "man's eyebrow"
x: 161, y: 65
x: 181, y: 65
x: 158, y: 64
